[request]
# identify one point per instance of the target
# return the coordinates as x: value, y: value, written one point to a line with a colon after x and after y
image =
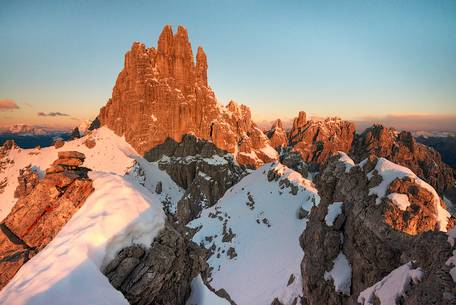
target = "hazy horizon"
x: 391, y: 63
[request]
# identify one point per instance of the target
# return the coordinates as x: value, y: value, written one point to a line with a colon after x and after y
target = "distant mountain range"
x: 28, y: 136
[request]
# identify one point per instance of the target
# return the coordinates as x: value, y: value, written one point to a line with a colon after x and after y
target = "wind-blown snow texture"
x: 254, y: 231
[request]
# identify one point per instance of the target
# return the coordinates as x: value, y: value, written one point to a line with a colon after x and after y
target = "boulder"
x: 71, y: 155
x: 71, y: 162
x: 59, y: 143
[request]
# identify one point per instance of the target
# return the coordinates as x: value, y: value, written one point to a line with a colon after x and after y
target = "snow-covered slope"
x: 124, y: 209
x: 111, y: 154
x: 67, y: 271
x: 253, y: 231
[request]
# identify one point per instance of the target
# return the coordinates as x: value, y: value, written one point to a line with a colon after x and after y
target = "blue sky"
x: 355, y: 59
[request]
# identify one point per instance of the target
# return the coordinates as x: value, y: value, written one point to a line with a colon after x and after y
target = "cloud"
x: 53, y: 114
x: 8, y: 105
x: 411, y: 121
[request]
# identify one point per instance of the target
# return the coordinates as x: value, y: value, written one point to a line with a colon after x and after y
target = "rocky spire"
x: 277, y: 124
x: 300, y: 121
x: 201, y: 66
x: 183, y: 65
x: 161, y: 93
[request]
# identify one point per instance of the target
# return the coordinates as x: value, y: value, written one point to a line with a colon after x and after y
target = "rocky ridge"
x: 316, y: 141
x: 43, y: 207
x: 402, y: 148
x: 371, y: 234
x: 203, y: 170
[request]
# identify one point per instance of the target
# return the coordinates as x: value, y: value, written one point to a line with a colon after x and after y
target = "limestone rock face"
x: 316, y: 141
x: 203, y: 170
x: 277, y: 135
x: 162, y: 93
x: 160, y: 275
x: 401, y: 148
x: 43, y: 208
x: 374, y: 238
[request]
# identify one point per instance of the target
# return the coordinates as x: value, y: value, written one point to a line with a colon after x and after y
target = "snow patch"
x: 245, y: 230
x: 341, y: 274
x: 400, y: 200
x: 334, y: 210
x: 201, y: 295
x: 349, y: 163
x: 392, y: 287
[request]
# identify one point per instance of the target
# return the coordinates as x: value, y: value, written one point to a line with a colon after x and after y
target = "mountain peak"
x: 161, y: 93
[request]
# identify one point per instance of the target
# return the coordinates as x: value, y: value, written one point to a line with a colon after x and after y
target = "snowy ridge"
x: 119, y: 213
x: 123, y: 210
x: 245, y: 231
x: 111, y: 154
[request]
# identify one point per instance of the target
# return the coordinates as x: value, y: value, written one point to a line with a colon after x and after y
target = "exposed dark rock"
x: 203, y: 170
x: 95, y: 124
x: 293, y: 160
x: 158, y: 187
x: 160, y: 275
x: 373, y: 245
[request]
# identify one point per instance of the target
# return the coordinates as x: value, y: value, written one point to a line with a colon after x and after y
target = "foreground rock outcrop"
x: 163, y: 93
x: 203, y: 170
x: 160, y: 275
x: 43, y: 207
x: 375, y: 222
